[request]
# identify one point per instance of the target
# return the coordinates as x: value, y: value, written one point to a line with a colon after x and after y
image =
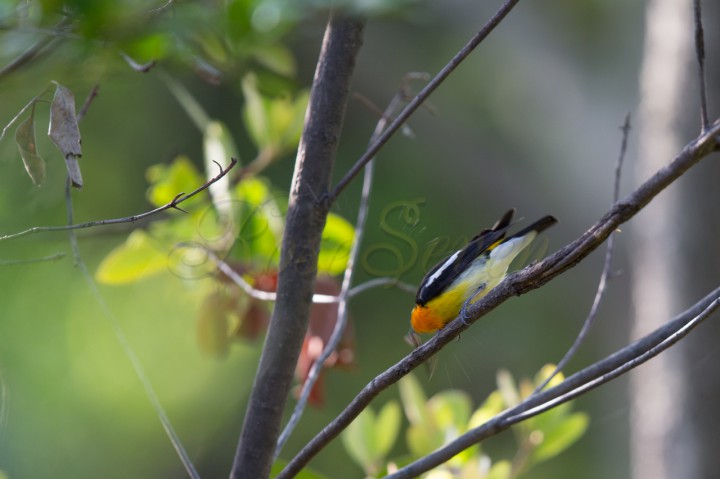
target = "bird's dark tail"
x: 539, y: 226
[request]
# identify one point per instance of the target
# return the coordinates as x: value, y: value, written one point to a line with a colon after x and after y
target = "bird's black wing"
x: 446, y: 271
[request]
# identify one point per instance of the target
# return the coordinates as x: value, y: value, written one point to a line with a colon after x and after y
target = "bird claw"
x: 464, y: 317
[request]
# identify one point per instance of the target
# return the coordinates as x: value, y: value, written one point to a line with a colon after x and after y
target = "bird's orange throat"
x: 423, y: 320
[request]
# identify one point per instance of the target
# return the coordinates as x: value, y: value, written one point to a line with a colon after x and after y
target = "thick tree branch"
x: 579, y: 383
x: 301, y: 243
x: 515, y: 284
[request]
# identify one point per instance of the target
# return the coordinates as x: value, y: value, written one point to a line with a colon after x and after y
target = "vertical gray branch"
x: 300, y: 246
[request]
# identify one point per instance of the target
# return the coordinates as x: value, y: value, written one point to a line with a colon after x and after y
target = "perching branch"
x: 579, y: 383
x: 590, y: 320
x: 128, y: 219
x: 306, y: 218
x: 515, y: 284
x: 420, y: 98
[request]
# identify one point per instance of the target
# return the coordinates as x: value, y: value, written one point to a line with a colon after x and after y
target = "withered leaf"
x: 65, y: 133
x: 25, y: 140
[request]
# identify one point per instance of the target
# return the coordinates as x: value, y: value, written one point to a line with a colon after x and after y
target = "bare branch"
x: 138, y: 67
x: 377, y: 282
x: 421, y: 97
x: 41, y: 47
x: 124, y: 343
x: 700, y: 54
x: 514, y: 284
x: 590, y: 320
x: 586, y: 380
x: 52, y: 257
x: 88, y: 101
x: 257, y: 293
x: 128, y: 219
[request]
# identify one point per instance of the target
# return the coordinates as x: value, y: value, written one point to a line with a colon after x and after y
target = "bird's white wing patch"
x: 450, y: 261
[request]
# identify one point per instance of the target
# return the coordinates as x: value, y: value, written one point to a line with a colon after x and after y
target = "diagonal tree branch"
x: 41, y: 47
x: 579, y: 383
x: 420, y: 98
x: 300, y: 246
x: 128, y: 219
x: 515, y: 284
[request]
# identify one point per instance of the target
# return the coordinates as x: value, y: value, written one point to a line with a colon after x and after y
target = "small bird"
x: 470, y: 273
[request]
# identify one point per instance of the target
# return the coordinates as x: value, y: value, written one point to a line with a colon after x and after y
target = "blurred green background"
x: 529, y: 121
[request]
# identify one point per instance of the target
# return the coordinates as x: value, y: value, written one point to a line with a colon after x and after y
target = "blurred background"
x: 531, y: 120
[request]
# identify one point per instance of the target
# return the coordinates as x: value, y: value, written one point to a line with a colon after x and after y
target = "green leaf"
x: 423, y: 438
x: 337, y: 238
x: 276, y: 58
x: 287, y: 118
x: 137, y: 258
x: 260, y: 223
x: 167, y: 181
x: 359, y: 440
x: 492, y: 406
x: 500, y: 470
x: 507, y: 388
x: 451, y: 409
x: 562, y: 436
x: 387, y: 428
x: 255, y: 113
x: 25, y: 140
x: 545, y: 372
x: 274, y: 123
x: 219, y: 149
x: 413, y: 399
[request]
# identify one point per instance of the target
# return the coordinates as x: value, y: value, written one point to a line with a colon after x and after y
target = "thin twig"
x: 28, y: 105
x: 586, y: 380
x: 415, y: 103
x: 138, y: 67
x: 42, y: 46
x: 128, y: 219
x: 377, y: 282
x: 52, y: 257
x: 700, y: 53
x: 344, y: 296
x: 317, y: 298
x: 514, y: 284
x: 258, y: 294
x: 125, y: 344
x: 88, y: 101
x: 599, y: 294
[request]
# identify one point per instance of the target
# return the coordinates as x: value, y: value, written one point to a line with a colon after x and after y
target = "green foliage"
x: 274, y: 123
x: 369, y: 438
x: 441, y: 419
